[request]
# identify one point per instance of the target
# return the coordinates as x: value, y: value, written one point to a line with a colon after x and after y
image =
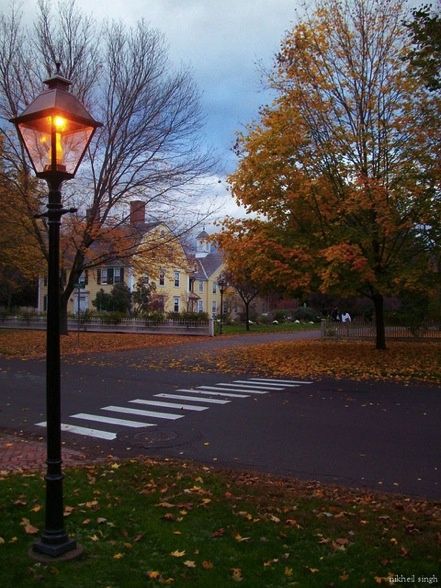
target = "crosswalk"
x: 170, y: 406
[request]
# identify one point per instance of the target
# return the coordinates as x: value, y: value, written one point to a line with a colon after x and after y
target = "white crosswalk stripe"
x: 254, y: 385
x: 285, y: 382
x: 212, y: 391
x: 229, y: 389
x: 225, y: 393
x: 84, y: 431
x: 193, y: 398
x: 266, y: 383
x: 110, y: 420
x: 149, y: 413
x: 169, y: 404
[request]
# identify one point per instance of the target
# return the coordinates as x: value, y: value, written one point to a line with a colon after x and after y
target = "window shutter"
x: 98, y: 276
x: 86, y: 277
x: 110, y: 275
x: 121, y: 279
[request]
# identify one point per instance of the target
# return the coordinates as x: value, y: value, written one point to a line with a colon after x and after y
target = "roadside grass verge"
x: 401, y: 362
x: 32, y: 344
x: 146, y: 523
x: 240, y: 328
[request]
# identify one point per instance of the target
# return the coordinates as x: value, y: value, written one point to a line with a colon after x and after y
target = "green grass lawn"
x: 240, y: 328
x: 153, y: 524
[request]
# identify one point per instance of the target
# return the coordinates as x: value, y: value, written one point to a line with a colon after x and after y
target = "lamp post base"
x: 49, y: 553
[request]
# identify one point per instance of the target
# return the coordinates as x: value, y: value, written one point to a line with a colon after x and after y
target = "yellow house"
x: 208, y: 266
x: 184, y: 282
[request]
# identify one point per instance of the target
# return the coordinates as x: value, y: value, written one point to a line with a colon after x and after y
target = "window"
x: 162, y: 278
x: 177, y: 279
x: 201, y: 286
x: 213, y: 308
x: 84, y: 278
x: 176, y: 304
x: 110, y: 275
x: 214, y: 287
x: 200, y: 306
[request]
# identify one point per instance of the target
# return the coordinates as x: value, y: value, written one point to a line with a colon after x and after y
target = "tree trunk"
x: 63, y: 318
x: 380, y: 342
x: 247, y: 315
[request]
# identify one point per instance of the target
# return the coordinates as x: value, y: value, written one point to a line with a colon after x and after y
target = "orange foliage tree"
x: 342, y: 170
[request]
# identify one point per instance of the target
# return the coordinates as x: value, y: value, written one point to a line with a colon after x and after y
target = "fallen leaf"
x: 28, y: 528
x: 189, y: 563
x: 153, y: 575
x: 177, y: 553
x: 207, y: 564
x: 313, y: 570
x: 236, y: 574
x: 240, y: 539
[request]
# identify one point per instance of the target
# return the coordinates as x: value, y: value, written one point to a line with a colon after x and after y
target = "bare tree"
x: 148, y: 148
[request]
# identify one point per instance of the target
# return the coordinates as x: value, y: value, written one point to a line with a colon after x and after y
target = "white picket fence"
x: 126, y: 325
x: 361, y: 330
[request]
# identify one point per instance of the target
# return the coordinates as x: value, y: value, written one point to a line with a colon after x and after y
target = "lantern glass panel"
x: 55, y: 143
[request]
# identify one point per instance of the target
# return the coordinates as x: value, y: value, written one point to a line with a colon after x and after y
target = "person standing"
x: 346, y: 317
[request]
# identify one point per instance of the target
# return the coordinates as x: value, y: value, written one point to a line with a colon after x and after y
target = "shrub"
x: 112, y: 318
x: 306, y: 314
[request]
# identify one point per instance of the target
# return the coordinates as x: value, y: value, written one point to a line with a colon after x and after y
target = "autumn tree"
x: 142, y: 295
x: 425, y: 33
x: 148, y: 147
x: 243, y: 264
x: 20, y: 256
x: 342, y: 170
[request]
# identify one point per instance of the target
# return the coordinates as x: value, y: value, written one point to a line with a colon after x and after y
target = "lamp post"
x: 222, y: 283
x: 56, y: 130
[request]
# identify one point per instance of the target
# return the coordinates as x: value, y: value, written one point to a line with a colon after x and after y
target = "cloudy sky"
x: 223, y: 42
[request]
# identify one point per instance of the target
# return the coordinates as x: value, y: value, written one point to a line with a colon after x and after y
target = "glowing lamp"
x: 56, y: 130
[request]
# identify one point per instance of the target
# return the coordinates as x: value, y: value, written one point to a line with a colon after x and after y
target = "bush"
x: 306, y: 314
x: 280, y: 316
x: 153, y: 317
x: 113, y: 318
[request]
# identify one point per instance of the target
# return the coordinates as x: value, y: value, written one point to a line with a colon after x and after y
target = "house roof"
x: 120, y: 243
x: 208, y: 265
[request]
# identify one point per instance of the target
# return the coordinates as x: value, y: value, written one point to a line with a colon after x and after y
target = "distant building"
x: 184, y: 281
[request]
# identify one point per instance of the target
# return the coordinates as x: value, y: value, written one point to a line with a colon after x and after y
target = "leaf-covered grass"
x: 401, y: 362
x: 27, y: 344
x: 143, y: 523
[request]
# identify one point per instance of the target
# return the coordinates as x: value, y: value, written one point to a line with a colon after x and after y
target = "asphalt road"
x: 368, y: 435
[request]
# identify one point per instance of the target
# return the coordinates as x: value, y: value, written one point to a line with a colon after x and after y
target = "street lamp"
x: 56, y: 130
x: 222, y: 283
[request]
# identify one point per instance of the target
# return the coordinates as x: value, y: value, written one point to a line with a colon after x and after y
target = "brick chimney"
x: 137, y: 212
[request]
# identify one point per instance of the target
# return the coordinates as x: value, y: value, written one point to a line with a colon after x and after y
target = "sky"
x: 223, y: 42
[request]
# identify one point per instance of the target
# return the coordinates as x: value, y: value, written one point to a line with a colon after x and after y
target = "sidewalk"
x: 18, y: 454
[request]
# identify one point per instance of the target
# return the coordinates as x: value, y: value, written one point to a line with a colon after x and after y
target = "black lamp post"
x: 56, y: 130
x: 222, y: 283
